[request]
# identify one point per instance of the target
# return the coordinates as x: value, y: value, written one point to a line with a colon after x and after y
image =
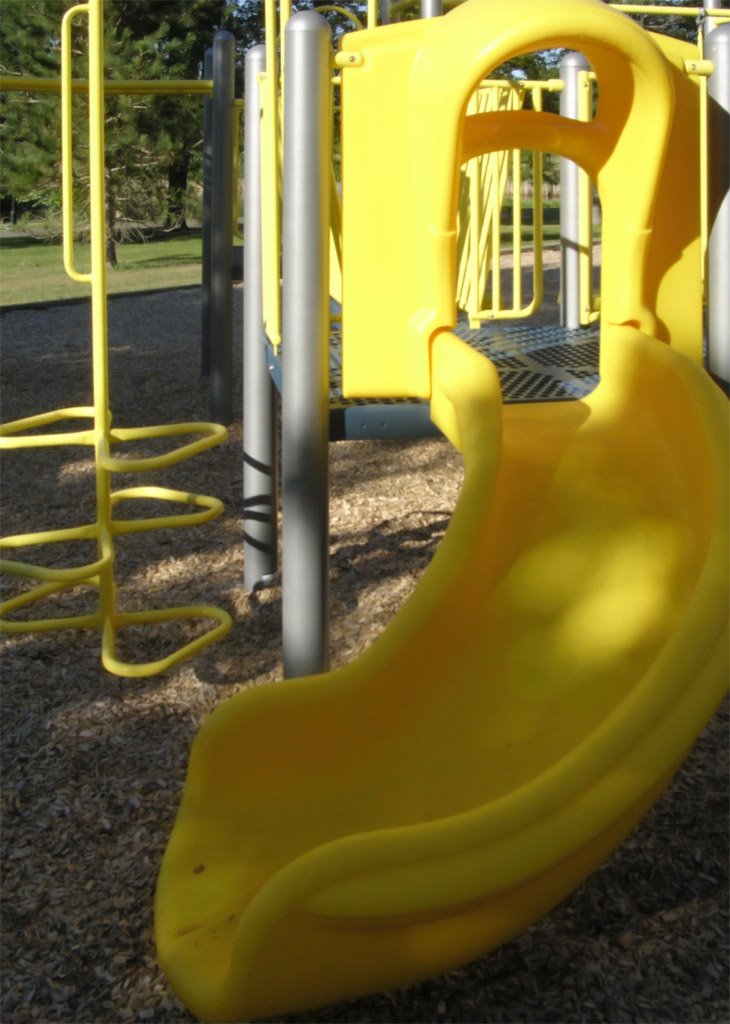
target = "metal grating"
x: 538, y: 364
x: 535, y: 364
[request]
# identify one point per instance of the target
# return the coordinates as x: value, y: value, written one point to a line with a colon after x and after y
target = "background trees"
x: 153, y: 144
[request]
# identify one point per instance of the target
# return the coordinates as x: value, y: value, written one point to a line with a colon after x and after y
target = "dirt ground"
x: 93, y: 765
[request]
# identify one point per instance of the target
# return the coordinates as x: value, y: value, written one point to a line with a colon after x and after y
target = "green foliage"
x: 32, y: 271
x: 668, y: 24
x: 153, y: 143
x: 30, y: 144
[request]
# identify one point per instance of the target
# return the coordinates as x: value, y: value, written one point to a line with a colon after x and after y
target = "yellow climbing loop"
x: 100, y: 435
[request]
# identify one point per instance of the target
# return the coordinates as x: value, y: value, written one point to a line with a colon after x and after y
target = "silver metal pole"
x: 259, y: 394
x: 710, y: 23
x: 305, y: 345
x: 384, y: 12
x: 717, y: 49
x: 207, y: 161
x: 570, y: 65
x: 432, y: 8
x: 221, y: 239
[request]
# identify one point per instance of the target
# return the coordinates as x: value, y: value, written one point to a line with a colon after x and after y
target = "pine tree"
x: 30, y: 139
x: 152, y: 143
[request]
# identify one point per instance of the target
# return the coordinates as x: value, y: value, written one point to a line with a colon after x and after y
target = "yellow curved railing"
x: 484, y: 187
x: 108, y: 619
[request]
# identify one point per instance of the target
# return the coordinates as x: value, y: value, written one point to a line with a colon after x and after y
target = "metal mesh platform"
x: 538, y: 364
x: 535, y: 364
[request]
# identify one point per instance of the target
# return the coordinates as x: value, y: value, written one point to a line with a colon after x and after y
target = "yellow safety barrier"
x: 484, y: 186
x: 100, y: 435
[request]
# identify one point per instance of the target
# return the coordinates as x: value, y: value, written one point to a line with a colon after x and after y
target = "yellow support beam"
x: 112, y: 87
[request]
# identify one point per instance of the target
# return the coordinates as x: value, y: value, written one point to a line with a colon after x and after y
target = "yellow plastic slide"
x: 373, y: 826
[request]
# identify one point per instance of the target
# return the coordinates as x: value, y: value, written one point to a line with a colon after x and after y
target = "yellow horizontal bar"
x: 150, y: 668
x: 546, y: 84
x: 683, y: 12
x: 92, y: 620
x: 23, y: 540
x: 77, y: 574
x: 213, y: 434
x: 46, y: 440
x: 211, y: 508
x: 119, y: 87
x: 44, y: 419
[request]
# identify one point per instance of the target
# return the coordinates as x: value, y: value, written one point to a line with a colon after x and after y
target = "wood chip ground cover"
x: 93, y: 766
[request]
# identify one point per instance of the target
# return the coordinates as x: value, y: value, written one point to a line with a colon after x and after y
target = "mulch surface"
x: 93, y: 765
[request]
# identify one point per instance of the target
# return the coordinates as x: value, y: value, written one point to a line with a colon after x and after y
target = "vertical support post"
x: 99, y: 324
x: 221, y: 239
x: 432, y: 8
x: 570, y: 312
x: 305, y: 345
x: 207, y: 161
x: 710, y: 24
x: 717, y: 50
x: 384, y: 12
x: 259, y: 394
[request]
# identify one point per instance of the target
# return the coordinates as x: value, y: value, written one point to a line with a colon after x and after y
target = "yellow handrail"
x: 682, y: 12
x: 112, y: 86
x: 67, y: 145
x: 484, y: 190
x: 336, y: 9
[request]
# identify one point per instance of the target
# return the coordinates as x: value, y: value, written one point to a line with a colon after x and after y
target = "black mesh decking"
x: 538, y: 364
x: 535, y: 364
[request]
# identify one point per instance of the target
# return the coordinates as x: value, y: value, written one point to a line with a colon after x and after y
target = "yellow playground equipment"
x: 105, y: 439
x: 366, y: 828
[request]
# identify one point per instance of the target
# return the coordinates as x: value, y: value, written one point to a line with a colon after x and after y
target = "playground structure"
x: 352, y: 831
x: 102, y: 436
x: 357, y: 830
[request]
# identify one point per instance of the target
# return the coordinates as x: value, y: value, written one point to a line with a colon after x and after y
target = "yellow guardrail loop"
x: 112, y: 87
x: 486, y: 182
x: 336, y: 9
x: 30, y: 432
x: 210, y: 508
x: 67, y: 144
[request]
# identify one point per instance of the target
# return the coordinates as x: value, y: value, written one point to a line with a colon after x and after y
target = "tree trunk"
x: 111, y: 225
x: 177, y: 181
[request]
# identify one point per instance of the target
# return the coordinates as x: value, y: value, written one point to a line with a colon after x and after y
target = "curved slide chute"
x: 373, y: 826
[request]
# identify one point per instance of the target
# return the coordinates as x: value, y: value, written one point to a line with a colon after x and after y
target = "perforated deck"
x: 535, y: 364
x: 538, y: 364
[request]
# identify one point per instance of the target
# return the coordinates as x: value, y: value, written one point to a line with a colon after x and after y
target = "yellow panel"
x: 400, y: 187
x: 380, y: 280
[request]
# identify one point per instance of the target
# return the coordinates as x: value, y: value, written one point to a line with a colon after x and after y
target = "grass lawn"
x: 31, y: 270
